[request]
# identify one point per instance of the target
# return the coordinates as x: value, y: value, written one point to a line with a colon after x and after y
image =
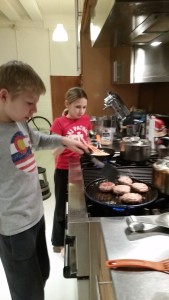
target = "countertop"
x: 153, y: 244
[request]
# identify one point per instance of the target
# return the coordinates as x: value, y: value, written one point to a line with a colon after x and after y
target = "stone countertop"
x: 152, y: 244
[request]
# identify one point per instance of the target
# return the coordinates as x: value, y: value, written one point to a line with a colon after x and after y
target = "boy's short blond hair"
x: 17, y: 77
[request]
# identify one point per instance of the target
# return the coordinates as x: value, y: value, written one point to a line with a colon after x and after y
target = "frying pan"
x: 108, y: 171
x: 112, y: 201
x: 104, y: 157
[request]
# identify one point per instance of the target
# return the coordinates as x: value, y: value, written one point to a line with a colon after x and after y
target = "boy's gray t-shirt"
x: 21, y: 204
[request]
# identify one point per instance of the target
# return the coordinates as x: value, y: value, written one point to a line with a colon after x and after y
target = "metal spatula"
x: 108, y: 171
x: 138, y: 223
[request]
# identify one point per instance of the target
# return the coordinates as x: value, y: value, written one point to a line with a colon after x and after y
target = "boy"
x: 23, y: 248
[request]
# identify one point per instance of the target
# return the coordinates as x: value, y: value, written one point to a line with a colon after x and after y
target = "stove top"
x: 141, y: 171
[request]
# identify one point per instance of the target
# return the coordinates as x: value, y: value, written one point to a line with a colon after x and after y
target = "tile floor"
x: 57, y: 287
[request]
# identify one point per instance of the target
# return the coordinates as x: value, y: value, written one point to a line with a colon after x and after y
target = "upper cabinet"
x: 150, y: 64
x: 139, y: 64
x: 121, y: 61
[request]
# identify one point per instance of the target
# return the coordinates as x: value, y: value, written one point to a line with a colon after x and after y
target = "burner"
x: 118, y: 161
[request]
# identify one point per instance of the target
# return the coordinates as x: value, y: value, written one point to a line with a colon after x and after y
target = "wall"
x: 32, y: 43
x: 97, y: 74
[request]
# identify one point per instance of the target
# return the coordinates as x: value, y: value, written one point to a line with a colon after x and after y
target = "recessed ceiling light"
x: 155, y: 44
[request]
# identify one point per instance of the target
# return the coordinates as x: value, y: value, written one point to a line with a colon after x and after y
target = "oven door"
x: 82, y: 257
x: 76, y: 259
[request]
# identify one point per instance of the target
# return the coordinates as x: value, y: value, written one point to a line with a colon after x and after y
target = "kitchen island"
x: 121, y: 243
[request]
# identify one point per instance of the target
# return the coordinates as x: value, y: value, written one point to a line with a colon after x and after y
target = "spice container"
x: 107, y: 132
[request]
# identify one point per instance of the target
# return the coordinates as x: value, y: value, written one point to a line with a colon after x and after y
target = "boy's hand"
x: 75, y: 146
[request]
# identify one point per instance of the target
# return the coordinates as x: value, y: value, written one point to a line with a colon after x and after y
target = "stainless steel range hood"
x: 135, y: 24
x: 130, y: 22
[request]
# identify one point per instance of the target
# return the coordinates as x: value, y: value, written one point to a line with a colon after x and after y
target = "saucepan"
x: 135, y: 149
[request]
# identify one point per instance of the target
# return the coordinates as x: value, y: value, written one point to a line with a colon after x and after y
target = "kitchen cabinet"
x: 105, y: 284
x: 151, y: 64
x: 122, y: 62
x: 139, y: 64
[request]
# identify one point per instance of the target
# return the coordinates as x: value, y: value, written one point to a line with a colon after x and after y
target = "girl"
x: 75, y: 125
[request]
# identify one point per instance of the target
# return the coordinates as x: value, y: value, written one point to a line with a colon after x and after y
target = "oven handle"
x: 67, y: 272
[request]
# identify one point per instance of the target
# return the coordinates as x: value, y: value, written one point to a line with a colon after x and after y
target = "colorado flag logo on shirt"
x: 21, y: 152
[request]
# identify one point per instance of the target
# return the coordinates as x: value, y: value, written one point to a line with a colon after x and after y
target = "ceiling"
x: 17, y: 11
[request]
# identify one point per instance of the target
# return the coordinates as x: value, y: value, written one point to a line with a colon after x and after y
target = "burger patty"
x: 121, y: 189
x: 140, y: 187
x: 106, y: 186
x: 131, y: 198
x: 126, y: 180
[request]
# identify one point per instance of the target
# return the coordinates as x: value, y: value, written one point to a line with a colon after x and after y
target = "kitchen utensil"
x: 135, y: 149
x: 162, y: 266
x: 107, y: 170
x: 139, y: 223
x: 160, y: 177
x: 110, y: 200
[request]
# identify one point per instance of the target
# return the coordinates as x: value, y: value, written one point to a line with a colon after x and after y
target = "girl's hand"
x: 75, y: 146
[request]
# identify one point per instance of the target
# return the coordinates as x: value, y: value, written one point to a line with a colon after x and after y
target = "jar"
x: 161, y: 175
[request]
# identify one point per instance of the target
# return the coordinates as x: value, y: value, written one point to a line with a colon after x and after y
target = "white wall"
x: 32, y: 43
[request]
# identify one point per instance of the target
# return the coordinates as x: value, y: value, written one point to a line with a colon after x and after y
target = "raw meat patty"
x: 131, y: 198
x: 121, y: 189
x: 125, y: 180
x: 106, y: 186
x: 140, y: 187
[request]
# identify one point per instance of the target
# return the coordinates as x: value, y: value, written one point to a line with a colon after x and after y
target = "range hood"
x: 130, y: 22
x: 134, y: 24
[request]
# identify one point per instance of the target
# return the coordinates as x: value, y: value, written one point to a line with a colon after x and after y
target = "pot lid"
x: 136, y: 141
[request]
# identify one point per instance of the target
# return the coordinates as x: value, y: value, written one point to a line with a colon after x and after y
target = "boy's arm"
x: 43, y: 141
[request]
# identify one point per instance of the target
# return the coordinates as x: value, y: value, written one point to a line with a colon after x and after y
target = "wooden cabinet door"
x: 59, y: 86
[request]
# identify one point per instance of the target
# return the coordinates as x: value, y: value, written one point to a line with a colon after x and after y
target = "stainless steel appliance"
x: 127, y: 123
x: 85, y: 254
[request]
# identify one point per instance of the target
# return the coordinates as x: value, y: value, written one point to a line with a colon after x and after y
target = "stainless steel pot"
x: 161, y: 175
x: 135, y: 149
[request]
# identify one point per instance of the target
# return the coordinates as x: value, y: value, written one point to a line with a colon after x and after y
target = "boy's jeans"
x: 26, y: 263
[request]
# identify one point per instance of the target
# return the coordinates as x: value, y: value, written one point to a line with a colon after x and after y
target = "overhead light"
x: 155, y: 44
x: 60, y: 34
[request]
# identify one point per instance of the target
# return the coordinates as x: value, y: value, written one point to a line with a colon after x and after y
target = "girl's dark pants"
x: 26, y: 263
x: 61, y: 196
